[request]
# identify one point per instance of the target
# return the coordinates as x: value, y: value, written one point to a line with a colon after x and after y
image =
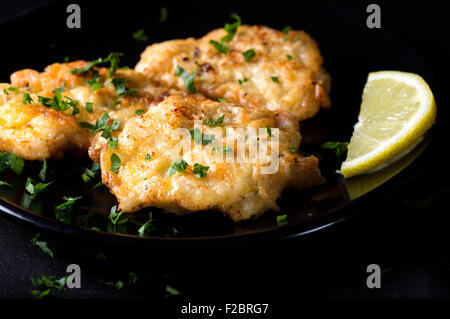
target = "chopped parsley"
x: 148, y: 157
x: 171, y: 291
x: 216, y: 122
x: 231, y: 28
x: 114, y: 216
x: 42, y: 245
x: 89, y: 107
x: 46, y: 283
x: 177, y: 166
x: 286, y: 29
x: 115, y: 163
x: 282, y: 219
x: 95, y: 82
x: 140, y: 36
x: 148, y: 228
x: 275, y: 79
x: 121, y: 89
x: 43, y: 171
x: 293, y: 149
x: 102, y: 125
x: 59, y: 102
x: 5, y: 184
x: 34, y: 188
x: 90, y: 173
x: 289, y: 57
x: 12, y: 161
x: 222, y: 100
x: 113, y: 142
x: 241, y: 81
x: 249, y: 54
x: 116, y: 102
x: 269, y: 131
x: 140, y: 112
x: 222, y: 48
x: 200, y: 138
x: 225, y: 150
x: 63, y: 212
x: 187, y: 77
x: 200, y: 170
x: 339, y: 148
x: 88, y: 66
x: 27, y: 99
x: 163, y: 15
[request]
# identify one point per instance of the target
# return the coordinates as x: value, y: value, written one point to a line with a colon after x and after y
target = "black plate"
x: 350, y: 50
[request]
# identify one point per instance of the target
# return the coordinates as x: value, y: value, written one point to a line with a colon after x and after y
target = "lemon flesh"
x: 397, y: 109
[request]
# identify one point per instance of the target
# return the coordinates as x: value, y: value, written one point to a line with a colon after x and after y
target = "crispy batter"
x: 303, y: 84
x: 36, y: 132
x: 239, y: 190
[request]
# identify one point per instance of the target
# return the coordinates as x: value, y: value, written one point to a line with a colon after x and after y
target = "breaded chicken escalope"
x: 40, y: 113
x: 258, y: 66
x: 150, y: 168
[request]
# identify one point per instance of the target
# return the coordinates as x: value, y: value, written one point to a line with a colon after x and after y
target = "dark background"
x: 407, y: 234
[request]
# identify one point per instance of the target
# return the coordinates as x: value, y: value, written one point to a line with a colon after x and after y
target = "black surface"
x: 412, y: 242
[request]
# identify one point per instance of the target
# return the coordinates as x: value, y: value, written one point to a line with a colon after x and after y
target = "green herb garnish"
x: 200, y: 138
x: 140, y: 36
x: 34, y: 188
x: 163, y: 15
x: 249, y: 54
x: 282, y: 219
x: 241, y: 81
x: 269, y: 131
x: 200, y: 170
x: 231, y: 28
x: 289, y: 57
x: 216, y: 122
x: 140, y: 112
x: 12, y: 161
x: 225, y: 150
x: 339, y: 148
x: 286, y: 29
x: 275, y: 79
x: 177, y: 166
x: 43, y: 171
x: 42, y: 245
x: 27, y: 99
x: 222, y: 48
x: 63, y: 212
x: 115, y: 163
x: 187, y: 77
x: 89, y: 107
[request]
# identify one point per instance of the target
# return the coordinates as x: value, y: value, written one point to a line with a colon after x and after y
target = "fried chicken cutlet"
x: 206, y: 170
x: 258, y: 66
x: 44, y: 115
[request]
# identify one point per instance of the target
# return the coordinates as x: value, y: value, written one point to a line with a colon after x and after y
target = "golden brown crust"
x: 239, y: 190
x: 303, y: 84
x: 36, y: 132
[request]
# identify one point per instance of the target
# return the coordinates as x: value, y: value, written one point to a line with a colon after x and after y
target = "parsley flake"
x: 140, y: 112
x: 177, y: 166
x: 27, y: 99
x: 63, y: 212
x: 269, y: 131
x: 42, y: 245
x: 216, y: 122
x: 12, y: 161
x: 286, y: 29
x: 115, y: 163
x: 187, y: 77
x: 164, y: 14
x: 275, y: 79
x: 89, y: 106
x: 339, y: 148
x: 140, y: 36
x: 249, y: 54
x: 200, y: 170
x: 200, y: 138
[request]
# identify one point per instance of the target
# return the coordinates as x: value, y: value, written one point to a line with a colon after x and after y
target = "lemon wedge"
x: 397, y: 109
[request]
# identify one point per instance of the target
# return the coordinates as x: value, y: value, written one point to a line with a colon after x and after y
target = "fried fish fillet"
x: 156, y: 171
x: 285, y: 73
x: 34, y: 131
